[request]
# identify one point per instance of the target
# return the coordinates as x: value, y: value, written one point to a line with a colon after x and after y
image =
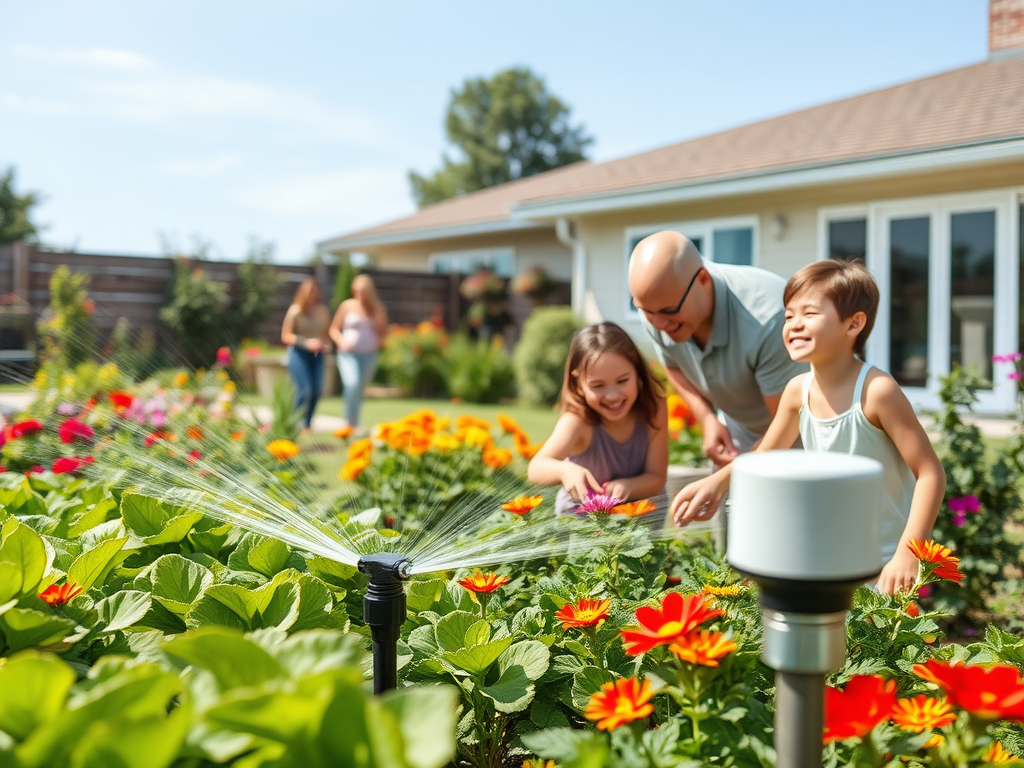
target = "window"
x: 972, y: 259
x: 502, y: 261
x: 734, y: 246
x: 848, y: 240
x: 909, y: 247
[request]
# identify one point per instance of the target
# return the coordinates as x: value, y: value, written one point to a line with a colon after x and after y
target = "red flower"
x: 70, y: 463
x: 193, y: 457
x: 37, y: 469
x: 866, y: 701
x: 72, y: 429
x: 154, y: 437
x: 620, y: 702
x: 991, y: 693
x: 57, y: 596
x: 584, y: 613
x: 484, y: 582
x: 223, y: 357
x: 121, y: 401
x: 677, y: 617
x: 522, y: 504
x: 936, y: 559
x: 23, y: 428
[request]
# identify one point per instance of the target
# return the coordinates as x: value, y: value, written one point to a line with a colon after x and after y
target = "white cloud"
x: 36, y: 106
x: 352, y: 197
x: 106, y: 58
x: 191, y: 167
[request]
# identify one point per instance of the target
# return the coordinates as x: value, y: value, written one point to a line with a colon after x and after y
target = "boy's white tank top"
x: 851, y: 432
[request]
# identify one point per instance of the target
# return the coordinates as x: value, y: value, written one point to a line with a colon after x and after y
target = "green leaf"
x: 283, y: 609
x: 122, y: 609
x: 586, y: 683
x: 315, y: 603
x: 319, y: 650
x: 233, y: 660
x: 269, y: 556
x: 178, y: 582
x: 531, y: 655
x: 476, y: 659
x: 512, y: 692
x: 478, y: 633
x: 93, y: 565
x: 426, y: 717
x: 10, y: 581
x: 451, y: 630
x: 153, y: 742
x: 28, y: 628
x: 156, y: 522
x: 568, y: 746
x: 421, y: 595
x: 207, y: 612
x: 24, y: 548
x: 34, y: 688
x: 277, y: 716
x: 343, y: 738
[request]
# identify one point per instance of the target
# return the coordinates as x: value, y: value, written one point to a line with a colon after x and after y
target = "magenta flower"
x: 1010, y: 358
x: 223, y: 357
x: 598, y: 502
x: 1015, y: 376
x: 73, y: 429
x: 959, y: 518
x: 963, y: 504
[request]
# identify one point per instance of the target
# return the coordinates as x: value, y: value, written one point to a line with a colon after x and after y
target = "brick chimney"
x: 1005, y: 28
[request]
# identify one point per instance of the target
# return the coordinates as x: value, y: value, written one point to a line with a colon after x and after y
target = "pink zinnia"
x: 963, y: 504
x: 72, y: 429
x: 1016, y: 376
x: 1010, y: 358
x: 598, y: 502
x: 223, y: 357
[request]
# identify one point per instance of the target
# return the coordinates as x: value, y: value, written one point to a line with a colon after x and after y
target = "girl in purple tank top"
x: 612, y: 436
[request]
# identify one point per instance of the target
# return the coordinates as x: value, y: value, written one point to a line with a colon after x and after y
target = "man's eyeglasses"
x: 679, y: 306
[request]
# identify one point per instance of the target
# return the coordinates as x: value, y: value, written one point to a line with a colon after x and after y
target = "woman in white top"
x: 845, y: 405
x: 358, y: 328
x: 304, y: 331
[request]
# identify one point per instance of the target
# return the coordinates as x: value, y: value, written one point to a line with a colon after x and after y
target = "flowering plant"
x: 483, y: 285
x: 534, y: 282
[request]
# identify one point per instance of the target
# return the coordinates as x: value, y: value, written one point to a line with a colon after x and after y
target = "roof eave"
x: 776, y: 179
x: 355, y: 242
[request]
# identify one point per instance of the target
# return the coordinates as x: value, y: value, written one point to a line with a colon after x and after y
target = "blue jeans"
x: 356, y: 369
x: 307, y: 370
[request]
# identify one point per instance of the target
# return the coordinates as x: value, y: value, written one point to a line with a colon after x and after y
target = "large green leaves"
x: 23, y: 548
x: 154, y: 522
x: 32, y: 690
x: 93, y: 565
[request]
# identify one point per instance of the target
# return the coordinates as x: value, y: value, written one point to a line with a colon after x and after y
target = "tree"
x: 15, y: 209
x: 506, y: 128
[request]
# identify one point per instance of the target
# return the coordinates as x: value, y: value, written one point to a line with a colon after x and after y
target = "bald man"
x: 717, y: 329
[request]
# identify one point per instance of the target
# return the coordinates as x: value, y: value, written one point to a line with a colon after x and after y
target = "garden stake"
x: 805, y: 527
x: 384, y: 612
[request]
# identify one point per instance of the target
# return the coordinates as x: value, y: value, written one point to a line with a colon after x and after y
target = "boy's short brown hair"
x: 847, y: 284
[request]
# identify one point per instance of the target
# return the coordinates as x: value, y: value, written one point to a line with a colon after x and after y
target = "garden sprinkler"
x: 384, y: 613
x: 805, y: 527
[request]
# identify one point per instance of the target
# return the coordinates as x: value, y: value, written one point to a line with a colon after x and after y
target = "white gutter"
x: 437, y: 233
x: 570, y: 239
x: 776, y: 180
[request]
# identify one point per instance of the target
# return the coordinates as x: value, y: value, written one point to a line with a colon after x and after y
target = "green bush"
x: 414, y: 360
x: 196, y: 312
x: 478, y: 371
x: 540, y: 356
x: 66, y: 328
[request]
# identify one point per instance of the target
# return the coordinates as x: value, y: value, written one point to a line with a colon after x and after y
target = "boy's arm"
x: 549, y: 467
x: 700, y: 500
x: 886, y: 406
x: 652, y: 480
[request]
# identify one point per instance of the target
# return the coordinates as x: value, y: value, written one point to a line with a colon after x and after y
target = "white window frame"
x: 473, y: 253
x: 702, y: 228
x: 939, y: 209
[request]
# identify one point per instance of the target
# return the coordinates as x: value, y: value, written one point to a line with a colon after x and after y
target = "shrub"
x: 343, y: 282
x: 196, y: 312
x: 414, y: 360
x: 66, y: 328
x: 540, y: 356
x: 259, y: 283
x: 478, y: 371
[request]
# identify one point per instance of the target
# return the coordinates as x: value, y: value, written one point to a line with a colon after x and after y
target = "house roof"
x: 975, y: 104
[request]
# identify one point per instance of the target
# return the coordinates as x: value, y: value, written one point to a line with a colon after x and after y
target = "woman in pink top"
x: 358, y: 328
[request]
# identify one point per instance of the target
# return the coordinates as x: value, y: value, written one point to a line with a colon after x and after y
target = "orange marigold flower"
x: 509, y: 425
x: 584, y: 613
x: 619, y: 702
x: 702, y: 647
x: 496, y: 458
x: 353, y: 468
x: 935, y: 741
x: 937, y: 559
x: 465, y: 422
x: 484, y: 582
x: 522, y: 504
x: 195, y: 433
x: 237, y: 435
x: 524, y: 447
x: 677, y: 617
x: 282, y: 450
x: 922, y: 713
x: 361, y: 449
x: 634, y: 508
x: 866, y: 701
x: 913, y: 610
x: 343, y: 432
x: 990, y: 693
x: 59, y: 595
x: 997, y: 753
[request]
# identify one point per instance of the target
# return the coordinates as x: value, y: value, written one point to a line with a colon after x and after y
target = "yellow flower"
x: 619, y: 702
x: 229, y: 387
x: 222, y: 375
x: 702, y: 647
x: 477, y: 437
x: 442, y: 423
x: 353, y: 468
x: 445, y: 442
x: 282, y: 450
x: 733, y: 590
x: 922, y: 713
x: 509, y: 425
x: 343, y: 432
x: 465, y: 422
x: 361, y: 449
x: 181, y: 379
x: 997, y: 753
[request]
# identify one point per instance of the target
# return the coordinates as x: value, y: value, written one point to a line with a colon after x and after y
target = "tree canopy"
x: 15, y: 210
x: 505, y: 128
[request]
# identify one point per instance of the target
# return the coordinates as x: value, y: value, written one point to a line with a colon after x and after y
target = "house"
x: 923, y: 180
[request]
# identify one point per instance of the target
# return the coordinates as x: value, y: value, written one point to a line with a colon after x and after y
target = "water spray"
x: 805, y: 527
x: 384, y: 612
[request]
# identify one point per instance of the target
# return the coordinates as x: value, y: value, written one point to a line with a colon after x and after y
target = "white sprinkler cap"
x: 805, y: 515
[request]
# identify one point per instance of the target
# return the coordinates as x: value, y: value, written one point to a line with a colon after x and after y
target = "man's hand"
x: 900, y: 573
x: 718, y: 444
x: 699, y: 500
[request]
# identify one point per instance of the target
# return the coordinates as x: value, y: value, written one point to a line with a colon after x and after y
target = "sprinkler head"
x: 384, y: 613
x: 385, y: 567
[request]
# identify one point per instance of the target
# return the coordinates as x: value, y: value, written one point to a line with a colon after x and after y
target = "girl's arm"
x: 887, y: 407
x: 652, y: 481
x: 380, y: 320
x: 700, y: 500
x: 335, y: 330
x: 549, y: 466
x: 288, y: 335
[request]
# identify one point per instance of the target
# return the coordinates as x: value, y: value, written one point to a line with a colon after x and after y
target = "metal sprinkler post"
x: 806, y: 527
x: 384, y: 612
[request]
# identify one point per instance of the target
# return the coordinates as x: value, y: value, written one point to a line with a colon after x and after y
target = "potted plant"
x: 534, y: 283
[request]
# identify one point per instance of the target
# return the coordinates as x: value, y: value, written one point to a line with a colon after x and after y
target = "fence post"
x: 454, y: 299
x: 20, y: 260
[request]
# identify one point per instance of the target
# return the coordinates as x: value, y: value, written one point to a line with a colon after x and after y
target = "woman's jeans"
x: 307, y: 370
x: 356, y: 369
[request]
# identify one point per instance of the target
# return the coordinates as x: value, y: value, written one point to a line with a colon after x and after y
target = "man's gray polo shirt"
x: 745, y: 357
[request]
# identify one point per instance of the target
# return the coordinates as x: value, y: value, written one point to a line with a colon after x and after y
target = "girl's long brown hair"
x: 591, y: 341
x: 304, y: 291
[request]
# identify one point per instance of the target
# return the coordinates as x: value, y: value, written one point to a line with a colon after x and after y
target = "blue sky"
x: 295, y: 121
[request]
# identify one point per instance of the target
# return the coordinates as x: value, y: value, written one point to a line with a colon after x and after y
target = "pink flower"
x: 38, y: 469
x: 1010, y: 358
x: 223, y: 357
x: 925, y: 591
x: 598, y: 502
x: 73, y: 429
x: 963, y: 504
x: 959, y: 518
x: 1015, y: 376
